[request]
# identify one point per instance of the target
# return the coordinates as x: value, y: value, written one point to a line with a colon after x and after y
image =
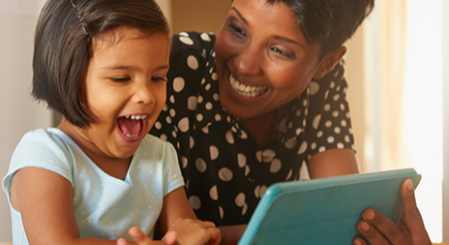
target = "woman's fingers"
x: 358, y: 241
x: 411, y: 222
x: 371, y: 233
x: 411, y: 215
x: 381, y: 227
x: 410, y: 230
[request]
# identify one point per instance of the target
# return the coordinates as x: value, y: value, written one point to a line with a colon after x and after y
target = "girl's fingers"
x: 208, y: 224
x: 139, y: 237
x: 170, y: 238
x: 215, y: 236
x: 122, y: 241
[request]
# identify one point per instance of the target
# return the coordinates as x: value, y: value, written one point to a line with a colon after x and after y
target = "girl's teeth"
x: 136, y: 117
x: 244, y: 90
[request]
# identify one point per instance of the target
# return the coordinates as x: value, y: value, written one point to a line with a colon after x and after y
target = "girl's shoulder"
x: 44, y: 147
x: 42, y: 140
x: 49, y: 149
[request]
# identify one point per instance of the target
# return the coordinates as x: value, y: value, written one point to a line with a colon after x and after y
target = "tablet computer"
x: 324, y: 211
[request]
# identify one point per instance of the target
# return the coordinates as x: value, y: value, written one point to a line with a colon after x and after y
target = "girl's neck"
x: 115, y: 167
x: 261, y: 127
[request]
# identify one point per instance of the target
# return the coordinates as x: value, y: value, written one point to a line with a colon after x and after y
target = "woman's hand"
x: 141, y: 238
x: 193, y: 231
x: 410, y: 230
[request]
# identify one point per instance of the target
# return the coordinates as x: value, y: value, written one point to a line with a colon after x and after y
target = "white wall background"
x: 20, y: 112
x: 423, y: 108
x: 445, y: 94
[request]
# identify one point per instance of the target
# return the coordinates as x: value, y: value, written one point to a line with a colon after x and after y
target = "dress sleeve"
x: 329, y: 122
x: 172, y: 174
x: 39, y: 149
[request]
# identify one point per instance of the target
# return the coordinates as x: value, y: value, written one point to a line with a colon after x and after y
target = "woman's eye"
x: 237, y: 30
x: 120, y: 79
x: 283, y: 53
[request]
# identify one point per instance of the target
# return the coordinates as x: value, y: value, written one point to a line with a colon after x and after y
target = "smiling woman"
x: 248, y: 107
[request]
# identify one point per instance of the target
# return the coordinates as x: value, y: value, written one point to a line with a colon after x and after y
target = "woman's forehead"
x: 276, y: 19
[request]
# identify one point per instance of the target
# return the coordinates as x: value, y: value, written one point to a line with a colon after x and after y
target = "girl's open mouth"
x: 131, y: 126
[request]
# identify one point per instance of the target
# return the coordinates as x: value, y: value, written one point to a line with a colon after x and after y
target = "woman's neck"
x: 261, y: 127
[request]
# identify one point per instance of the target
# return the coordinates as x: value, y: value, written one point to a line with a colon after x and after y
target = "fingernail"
x: 134, y: 233
x: 365, y: 226
x: 370, y: 215
x: 356, y: 242
x: 409, y: 185
x: 120, y: 241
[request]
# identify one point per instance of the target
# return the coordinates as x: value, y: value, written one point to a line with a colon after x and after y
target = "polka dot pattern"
x: 226, y: 171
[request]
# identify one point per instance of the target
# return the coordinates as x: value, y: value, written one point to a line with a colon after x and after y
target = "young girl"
x: 102, y: 64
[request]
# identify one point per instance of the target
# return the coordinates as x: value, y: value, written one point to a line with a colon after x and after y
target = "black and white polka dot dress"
x: 225, y: 170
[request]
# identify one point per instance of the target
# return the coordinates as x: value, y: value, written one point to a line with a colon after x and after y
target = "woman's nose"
x: 248, y: 61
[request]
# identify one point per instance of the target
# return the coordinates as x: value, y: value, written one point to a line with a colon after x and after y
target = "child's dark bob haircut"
x: 63, y: 47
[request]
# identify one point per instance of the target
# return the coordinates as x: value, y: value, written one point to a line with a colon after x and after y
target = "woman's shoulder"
x: 193, y: 41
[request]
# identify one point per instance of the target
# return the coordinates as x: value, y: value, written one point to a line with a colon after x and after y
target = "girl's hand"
x: 195, y: 232
x: 141, y: 239
x: 410, y: 230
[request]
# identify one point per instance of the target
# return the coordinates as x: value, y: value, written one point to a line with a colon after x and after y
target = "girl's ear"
x: 329, y: 61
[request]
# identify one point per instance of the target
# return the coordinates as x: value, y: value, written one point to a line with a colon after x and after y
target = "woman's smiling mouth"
x: 246, y: 90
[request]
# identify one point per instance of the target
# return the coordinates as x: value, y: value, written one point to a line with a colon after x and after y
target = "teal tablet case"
x: 324, y: 211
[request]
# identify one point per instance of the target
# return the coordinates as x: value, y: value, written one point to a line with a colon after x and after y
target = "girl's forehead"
x: 127, y: 48
x: 115, y: 36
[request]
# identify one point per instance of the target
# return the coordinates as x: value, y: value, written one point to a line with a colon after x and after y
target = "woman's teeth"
x: 245, y: 90
x: 137, y: 117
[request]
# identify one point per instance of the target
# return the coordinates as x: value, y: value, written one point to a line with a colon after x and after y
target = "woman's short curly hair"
x: 328, y: 22
x: 63, y: 47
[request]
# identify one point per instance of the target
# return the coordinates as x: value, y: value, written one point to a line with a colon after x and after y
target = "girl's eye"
x: 237, y: 30
x: 283, y: 53
x: 159, y: 79
x: 120, y: 79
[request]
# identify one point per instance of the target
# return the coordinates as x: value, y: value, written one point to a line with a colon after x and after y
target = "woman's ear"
x: 329, y: 61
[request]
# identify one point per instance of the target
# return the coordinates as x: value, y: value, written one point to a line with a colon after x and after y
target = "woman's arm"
x: 332, y: 162
x: 231, y: 234
x: 45, y: 201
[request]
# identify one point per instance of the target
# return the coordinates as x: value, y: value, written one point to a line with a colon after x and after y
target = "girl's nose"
x: 248, y: 61
x: 144, y: 94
